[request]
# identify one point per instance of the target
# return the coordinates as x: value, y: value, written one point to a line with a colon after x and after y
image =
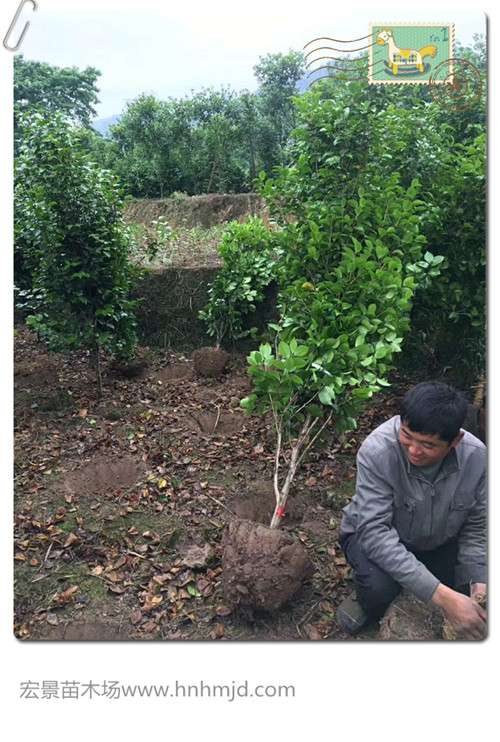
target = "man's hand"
x: 463, y: 613
x: 477, y: 589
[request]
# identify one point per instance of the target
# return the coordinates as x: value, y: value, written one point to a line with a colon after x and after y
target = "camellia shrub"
x: 449, y: 320
x: 70, y: 234
x: 250, y: 254
x: 345, y: 301
x: 350, y: 134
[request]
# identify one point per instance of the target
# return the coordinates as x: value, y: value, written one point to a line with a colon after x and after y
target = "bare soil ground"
x: 121, y: 505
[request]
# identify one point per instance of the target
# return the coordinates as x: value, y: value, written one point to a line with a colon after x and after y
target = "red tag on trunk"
x: 280, y: 512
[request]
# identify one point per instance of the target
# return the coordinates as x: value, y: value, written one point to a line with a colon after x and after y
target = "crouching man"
x: 418, y: 517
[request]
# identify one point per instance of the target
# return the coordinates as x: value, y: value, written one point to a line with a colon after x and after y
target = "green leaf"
x: 284, y: 349
x: 248, y: 403
x: 255, y: 358
x: 383, y: 382
x: 326, y: 395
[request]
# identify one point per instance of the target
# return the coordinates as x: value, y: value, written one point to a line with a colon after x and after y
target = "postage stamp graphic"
x: 411, y: 53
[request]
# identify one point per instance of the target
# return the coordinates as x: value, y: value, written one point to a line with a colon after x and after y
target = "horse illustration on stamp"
x: 409, y: 53
x: 404, y: 58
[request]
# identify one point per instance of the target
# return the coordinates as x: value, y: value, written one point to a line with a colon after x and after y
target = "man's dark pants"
x: 375, y: 589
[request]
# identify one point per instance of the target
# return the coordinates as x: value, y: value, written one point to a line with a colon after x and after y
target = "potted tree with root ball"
x: 249, y: 254
x: 332, y: 349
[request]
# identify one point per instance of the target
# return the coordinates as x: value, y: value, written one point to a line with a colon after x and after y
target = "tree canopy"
x: 38, y: 85
x: 70, y: 235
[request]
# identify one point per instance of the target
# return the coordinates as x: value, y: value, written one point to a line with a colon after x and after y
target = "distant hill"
x: 305, y: 82
x: 102, y: 125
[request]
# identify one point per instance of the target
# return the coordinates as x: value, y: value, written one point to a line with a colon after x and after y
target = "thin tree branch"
x: 306, y: 403
x: 311, y: 443
x: 278, y: 451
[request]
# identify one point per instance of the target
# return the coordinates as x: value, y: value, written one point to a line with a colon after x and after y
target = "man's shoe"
x: 350, y: 616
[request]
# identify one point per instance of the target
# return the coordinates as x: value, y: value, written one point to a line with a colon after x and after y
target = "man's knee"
x: 375, y: 589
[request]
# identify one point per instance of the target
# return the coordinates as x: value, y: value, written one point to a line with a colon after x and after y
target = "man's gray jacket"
x: 395, y: 507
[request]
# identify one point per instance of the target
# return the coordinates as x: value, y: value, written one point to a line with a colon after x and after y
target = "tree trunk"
x: 212, y: 173
x: 98, y: 371
x: 282, y: 494
x: 302, y: 445
x: 253, y: 166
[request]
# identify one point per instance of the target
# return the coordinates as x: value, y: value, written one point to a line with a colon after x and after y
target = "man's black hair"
x: 434, y: 408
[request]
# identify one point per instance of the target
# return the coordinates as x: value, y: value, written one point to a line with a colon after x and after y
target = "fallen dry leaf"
x: 312, y: 632
x: 223, y: 610
x: 72, y: 539
x: 121, y: 562
x: 152, y: 536
x: 149, y: 626
x: 116, y: 589
x: 152, y: 601
x: 218, y: 631
x: 24, y: 631
x: 161, y: 579
x: 67, y: 596
x: 114, y: 577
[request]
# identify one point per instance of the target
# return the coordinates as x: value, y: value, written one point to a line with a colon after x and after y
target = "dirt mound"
x: 103, y: 474
x: 210, y: 362
x: 205, y: 210
x: 223, y: 423
x: 408, y: 619
x: 262, y: 568
x: 173, y: 372
x: 133, y: 369
x: 35, y: 373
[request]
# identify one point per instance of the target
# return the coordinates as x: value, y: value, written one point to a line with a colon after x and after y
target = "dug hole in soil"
x: 262, y: 567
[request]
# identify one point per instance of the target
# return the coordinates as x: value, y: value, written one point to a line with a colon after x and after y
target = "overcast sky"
x: 170, y: 49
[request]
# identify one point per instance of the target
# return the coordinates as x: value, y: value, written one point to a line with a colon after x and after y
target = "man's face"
x: 423, y: 449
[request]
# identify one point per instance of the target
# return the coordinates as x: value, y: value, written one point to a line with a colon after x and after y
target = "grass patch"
x: 34, y: 590
x: 340, y: 496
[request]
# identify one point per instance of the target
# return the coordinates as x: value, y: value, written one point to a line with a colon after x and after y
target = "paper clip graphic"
x: 12, y: 26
